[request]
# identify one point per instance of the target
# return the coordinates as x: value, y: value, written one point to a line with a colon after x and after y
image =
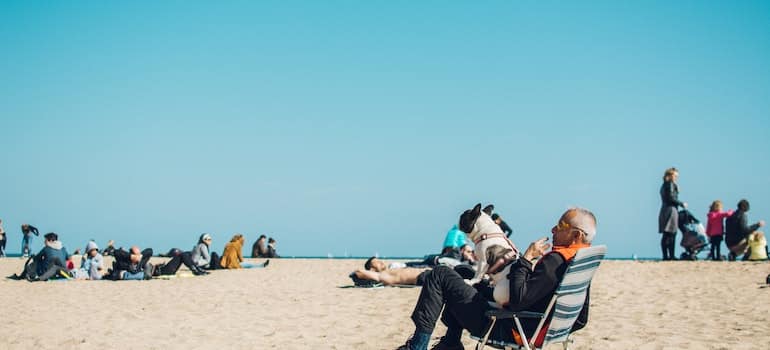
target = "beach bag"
x: 30, y: 269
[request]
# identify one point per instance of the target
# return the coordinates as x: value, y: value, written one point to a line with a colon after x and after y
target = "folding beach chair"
x: 566, y: 304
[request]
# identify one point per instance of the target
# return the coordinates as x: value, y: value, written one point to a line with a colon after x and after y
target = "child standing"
x: 715, y: 228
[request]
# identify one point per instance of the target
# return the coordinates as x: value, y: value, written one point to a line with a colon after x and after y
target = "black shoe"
x: 199, y: 272
x: 406, y: 346
x: 442, y: 345
x: 267, y: 262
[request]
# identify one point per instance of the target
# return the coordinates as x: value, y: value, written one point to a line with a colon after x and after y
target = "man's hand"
x: 537, y: 248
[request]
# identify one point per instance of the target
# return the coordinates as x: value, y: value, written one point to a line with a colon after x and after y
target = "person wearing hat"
x: 92, y: 263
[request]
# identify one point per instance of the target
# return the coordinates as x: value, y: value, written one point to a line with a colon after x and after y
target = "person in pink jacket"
x: 715, y: 228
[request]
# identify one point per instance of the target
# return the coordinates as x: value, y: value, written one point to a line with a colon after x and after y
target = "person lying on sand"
x: 376, y: 270
x: 396, y: 273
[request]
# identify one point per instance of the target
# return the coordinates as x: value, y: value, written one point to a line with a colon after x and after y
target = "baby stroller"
x: 693, y: 235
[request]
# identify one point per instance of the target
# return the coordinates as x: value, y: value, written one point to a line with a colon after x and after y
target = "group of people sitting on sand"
x: 53, y: 261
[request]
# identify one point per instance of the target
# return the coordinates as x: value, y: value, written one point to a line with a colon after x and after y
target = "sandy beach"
x: 298, y: 304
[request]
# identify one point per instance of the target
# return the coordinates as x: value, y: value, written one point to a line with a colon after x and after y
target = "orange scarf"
x: 569, y: 251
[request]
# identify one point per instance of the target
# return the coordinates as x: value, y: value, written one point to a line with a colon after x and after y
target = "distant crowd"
x: 731, y: 226
x: 54, y: 261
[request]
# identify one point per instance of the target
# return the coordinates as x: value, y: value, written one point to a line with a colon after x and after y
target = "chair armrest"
x: 504, y: 314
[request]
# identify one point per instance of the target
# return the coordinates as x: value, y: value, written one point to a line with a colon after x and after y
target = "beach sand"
x: 298, y: 304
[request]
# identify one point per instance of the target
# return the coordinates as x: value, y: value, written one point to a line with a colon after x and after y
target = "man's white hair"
x: 586, y: 221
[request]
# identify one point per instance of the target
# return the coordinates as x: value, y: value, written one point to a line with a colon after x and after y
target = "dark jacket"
x: 506, y: 229
x: 123, y: 261
x: 271, y: 253
x: 258, y: 249
x: 532, y: 290
x: 52, y: 254
x: 737, y: 228
x: 30, y: 229
x: 669, y: 194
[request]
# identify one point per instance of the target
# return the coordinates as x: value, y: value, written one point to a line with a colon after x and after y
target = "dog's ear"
x: 468, y: 219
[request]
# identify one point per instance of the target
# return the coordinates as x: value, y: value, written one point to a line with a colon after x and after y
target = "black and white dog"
x: 484, y: 233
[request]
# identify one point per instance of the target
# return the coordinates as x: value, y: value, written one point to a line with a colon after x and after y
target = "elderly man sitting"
x: 530, y: 289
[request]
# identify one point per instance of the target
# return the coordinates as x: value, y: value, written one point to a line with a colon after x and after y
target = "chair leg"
x: 483, y: 341
x: 521, y: 333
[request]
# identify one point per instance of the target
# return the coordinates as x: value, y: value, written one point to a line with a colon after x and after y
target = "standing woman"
x: 2, y: 240
x: 668, y: 219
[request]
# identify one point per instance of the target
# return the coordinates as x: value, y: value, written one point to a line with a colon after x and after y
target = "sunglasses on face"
x: 565, y: 226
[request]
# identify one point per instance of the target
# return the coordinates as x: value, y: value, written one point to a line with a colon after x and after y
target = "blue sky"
x: 368, y: 127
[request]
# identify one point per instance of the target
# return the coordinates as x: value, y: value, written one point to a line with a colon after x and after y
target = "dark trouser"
x: 48, y: 269
x: 667, y: 243
x: 463, y: 306
x: 172, y: 266
x: 214, y: 262
x: 716, y: 243
x: 2, y: 246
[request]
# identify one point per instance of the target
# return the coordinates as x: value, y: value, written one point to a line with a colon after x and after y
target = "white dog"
x: 484, y: 233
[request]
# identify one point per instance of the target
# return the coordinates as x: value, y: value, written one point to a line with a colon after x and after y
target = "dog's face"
x: 468, y: 219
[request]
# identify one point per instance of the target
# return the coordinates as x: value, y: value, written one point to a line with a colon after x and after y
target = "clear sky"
x: 365, y: 127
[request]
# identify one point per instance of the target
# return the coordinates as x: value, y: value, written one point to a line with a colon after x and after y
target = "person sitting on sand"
x: 232, y: 257
x: 178, y: 257
x: 131, y: 265
x: 531, y: 289
x: 757, y: 247
x: 737, y: 231
x: 110, y: 249
x: 91, y: 264
x: 202, y: 256
x: 52, y: 258
x: 376, y: 270
x: 271, y: 252
x: 259, y: 249
x: 50, y: 262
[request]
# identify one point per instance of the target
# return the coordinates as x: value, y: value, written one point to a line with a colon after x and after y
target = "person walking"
x: 26, y: 238
x: 668, y: 218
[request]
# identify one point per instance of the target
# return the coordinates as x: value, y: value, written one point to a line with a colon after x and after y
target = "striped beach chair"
x: 566, y: 303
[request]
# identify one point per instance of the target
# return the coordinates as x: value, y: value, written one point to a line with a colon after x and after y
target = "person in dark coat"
x: 737, y: 230
x: 503, y: 225
x: 668, y: 218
